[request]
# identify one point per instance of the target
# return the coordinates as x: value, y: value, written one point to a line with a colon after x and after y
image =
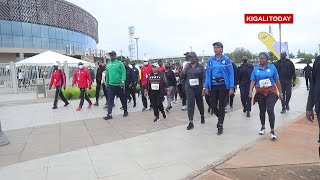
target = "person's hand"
x: 64, y: 87
x: 250, y: 94
x: 281, y: 96
x: 185, y: 68
x: 130, y: 85
x: 235, y: 88
x: 231, y: 92
x: 122, y: 84
x: 207, y: 92
x: 145, y: 93
x: 72, y: 85
x: 89, y: 87
x: 293, y: 84
x: 49, y: 87
x: 310, y: 116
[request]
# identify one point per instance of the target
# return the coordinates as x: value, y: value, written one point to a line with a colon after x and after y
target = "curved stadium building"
x: 30, y: 27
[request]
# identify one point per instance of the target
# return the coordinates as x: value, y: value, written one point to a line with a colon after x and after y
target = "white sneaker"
x: 262, y: 131
x: 273, y: 137
x: 184, y: 108
x: 226, y: 110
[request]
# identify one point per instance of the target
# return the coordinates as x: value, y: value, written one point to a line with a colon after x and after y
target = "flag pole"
x: 280, y: 37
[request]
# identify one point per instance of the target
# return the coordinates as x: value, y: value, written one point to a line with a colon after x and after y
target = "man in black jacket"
x: 287, y: 76
x: 314, y: 94
x: 129, y: 82
x: 307, y: 71
x: 244, y: 73
x: 99, y: 77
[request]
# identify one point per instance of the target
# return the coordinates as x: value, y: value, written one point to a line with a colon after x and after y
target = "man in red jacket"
x: 82, y: 77
x: 58, y: 79
x: 146, y: 70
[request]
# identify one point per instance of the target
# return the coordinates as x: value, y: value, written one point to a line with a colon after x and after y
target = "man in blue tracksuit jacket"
x: 219, y: 83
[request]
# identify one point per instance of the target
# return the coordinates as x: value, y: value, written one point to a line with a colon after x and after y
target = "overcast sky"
x: 170, y: 27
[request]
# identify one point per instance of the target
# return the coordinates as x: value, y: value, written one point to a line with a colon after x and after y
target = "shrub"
x: 74, y: 92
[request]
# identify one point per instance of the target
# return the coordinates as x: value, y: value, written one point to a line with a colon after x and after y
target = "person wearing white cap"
x: 155, y: 87
x: 146, y: 70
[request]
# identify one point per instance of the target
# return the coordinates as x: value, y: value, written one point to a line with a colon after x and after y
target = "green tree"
x: 272, y: 57
x: 238, y: 53
x: 291, y: 55
x: 121, y: 58
x: 306, y: 57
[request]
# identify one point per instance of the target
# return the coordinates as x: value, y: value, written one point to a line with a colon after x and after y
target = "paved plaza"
x: 65, y: 144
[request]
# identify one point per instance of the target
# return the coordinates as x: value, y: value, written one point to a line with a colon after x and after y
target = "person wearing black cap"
x: 287, y: 74
x: 115, y: 82
x: 99, y: 78
x: 155, y: 89
x: 171, y: 80
x: 219, y: 83
x: 58, y: 79
x: 82, y: 77
x: 194, y: 76
x: 146, y: 70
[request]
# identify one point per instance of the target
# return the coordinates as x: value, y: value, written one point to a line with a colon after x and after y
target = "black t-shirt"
x: 244, y: 73
x: 171, y: 79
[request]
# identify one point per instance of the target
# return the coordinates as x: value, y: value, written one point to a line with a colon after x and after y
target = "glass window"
x: 17, y: 41
x: 44, y: 31
x: 27, y: 42
x: 52, y: 32
x: 59, y: 33
x: 65, y: 43
x: 7, y: 41
x: 78, y: 37
x: 36, y: 31
x: 17, y: 28
x: 83, y: 47
x: 36, y: 42
x: 6, y: 27
x: 26, y: 28
x: 45, y: 43
x: 65, y: 34
x: 60, y: 44
x: 52, y: 43
x: 70, y: 35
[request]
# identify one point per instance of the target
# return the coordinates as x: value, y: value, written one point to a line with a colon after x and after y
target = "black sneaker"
x: 105, y: 107
x: 190, y: 126
x: 164, y: 115
x: 209, y: 110
x: 244, y: 111
x: 129, y: 101
x: 144, y: 108
x: 248, y: 114
x: 151, y: 109
x: 220, y: 130
x: 202, y: 120
x: 125, y: 114
x: 66, y: 104
x: 121, y: 108
x: 283, y: 111
x: 107, y: 117
x: 54, y: 107
x: 96, y: 104
x: 135, y: 104
x: 156, y: 119
x: 288, y: 108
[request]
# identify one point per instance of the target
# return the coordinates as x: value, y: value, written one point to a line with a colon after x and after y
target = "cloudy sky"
x: 170, y: 27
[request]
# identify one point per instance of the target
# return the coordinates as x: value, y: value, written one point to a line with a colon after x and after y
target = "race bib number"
x: 155, y: 86
x: 177, y: 78
x: 265, y: 83
x: 194, y: 82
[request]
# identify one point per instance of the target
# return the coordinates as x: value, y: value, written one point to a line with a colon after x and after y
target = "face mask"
x: 167, y: 67
x: 145, y: 63
x: 245, y: 60
x: 80, y: 66
x: 193, y: 61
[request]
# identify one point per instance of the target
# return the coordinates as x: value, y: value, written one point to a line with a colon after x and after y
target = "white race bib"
x: 194, y: 82
x: 155, y: 86
x: 265, y: 83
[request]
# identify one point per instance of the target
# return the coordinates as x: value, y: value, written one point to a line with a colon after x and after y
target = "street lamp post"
x: 137, y: 48
x: 121, y: 54
x: 190, y: 48
x: 202, y: 55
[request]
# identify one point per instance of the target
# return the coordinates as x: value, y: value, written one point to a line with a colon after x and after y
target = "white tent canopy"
x: 49, y: 58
